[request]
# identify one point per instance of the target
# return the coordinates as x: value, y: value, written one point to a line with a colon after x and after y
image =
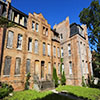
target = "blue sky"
x: 55, y: 11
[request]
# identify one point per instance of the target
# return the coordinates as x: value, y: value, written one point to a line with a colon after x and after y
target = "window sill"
x: 19, y: 49
x: 6, y: 75
x: 9, y: 47
x: 29, y: 51
x: 17, y: 75
x: 44, y: 54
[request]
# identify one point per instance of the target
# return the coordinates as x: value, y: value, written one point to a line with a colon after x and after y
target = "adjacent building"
x: 32, y: 46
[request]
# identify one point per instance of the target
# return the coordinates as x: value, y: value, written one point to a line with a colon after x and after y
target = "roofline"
x: 19, y: 11
x: 55, y: 31
x: 76, y: 25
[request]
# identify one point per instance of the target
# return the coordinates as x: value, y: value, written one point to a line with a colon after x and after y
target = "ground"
x: 90, y: 93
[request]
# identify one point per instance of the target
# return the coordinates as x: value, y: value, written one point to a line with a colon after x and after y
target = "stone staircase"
x: 41, y: 85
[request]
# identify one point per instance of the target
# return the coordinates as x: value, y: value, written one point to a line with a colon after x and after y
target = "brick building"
x: 75, y: 51
x: 34, y: 47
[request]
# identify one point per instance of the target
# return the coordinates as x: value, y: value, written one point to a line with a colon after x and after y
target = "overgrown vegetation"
x: 83, y: 82
x: 27, y: 84
x: 90, y: 93
x: 4, y: 22
x: 63, y: 78
x: 5, y: 90
x: 34, y: 95
x: 55, y: 78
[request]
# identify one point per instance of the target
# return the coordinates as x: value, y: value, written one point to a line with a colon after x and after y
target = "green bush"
x: 27, y: 81
x: 5, y: 90
x: 55, y: 78
x: 63, y: 79
x: 83, y: 82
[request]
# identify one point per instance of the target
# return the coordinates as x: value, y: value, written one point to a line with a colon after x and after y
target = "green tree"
x: 55, y: 78
x: 91, y: 17
x: 63, y: 78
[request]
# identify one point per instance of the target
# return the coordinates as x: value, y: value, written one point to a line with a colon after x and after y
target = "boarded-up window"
x: 58, y: 51
x: 36, y: 67
x: 17, y: 66
x: 10, y: 39
x: 30, y: 44
x: 69, y: 49
x: 37, y: 27
x: 19, y: 41
x: 28, y: 61
x: 7, y: 66
x: 54, y: 51
x: 44, y: 49
x: 33, y: 25
x: 36, y: 47
x: 49, y: 50
x: 70, y: 68
x: 49, y: 68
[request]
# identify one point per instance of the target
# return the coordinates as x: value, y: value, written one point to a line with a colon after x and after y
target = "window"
x: 19, y: 41
x: 62, y: 52
x: 46, y: 32
x: 43, y: 30
x: 36, y: 47
x: 63, y: 67
x: 54, y: 51
x: 83, y: 66
x: 58, y: 68
x: 87, y: 68
x: 10, y: 39
x: 33, y: 25
x: 58, y: 51
x: 69, y: 49
x: 30, y: 44
x: 44, y: 49
x: 36, y: 72
x: 49, y: 68
x: 37, y: 27
x: 61, y: 36
x: 7, y: 66
x: 28, y: 66
x: 17, y: 66
x: 49, y: 50
x: 70, y: 68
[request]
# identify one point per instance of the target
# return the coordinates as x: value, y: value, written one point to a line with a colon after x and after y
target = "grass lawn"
x: 90, y: 93
x: 34, y: 95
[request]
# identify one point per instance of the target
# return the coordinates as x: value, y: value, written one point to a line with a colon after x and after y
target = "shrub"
x: 27, y: 81
x: 55, y: 78
x: 5, y: 90
x: 83, y: 82
x: 63, y: 79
